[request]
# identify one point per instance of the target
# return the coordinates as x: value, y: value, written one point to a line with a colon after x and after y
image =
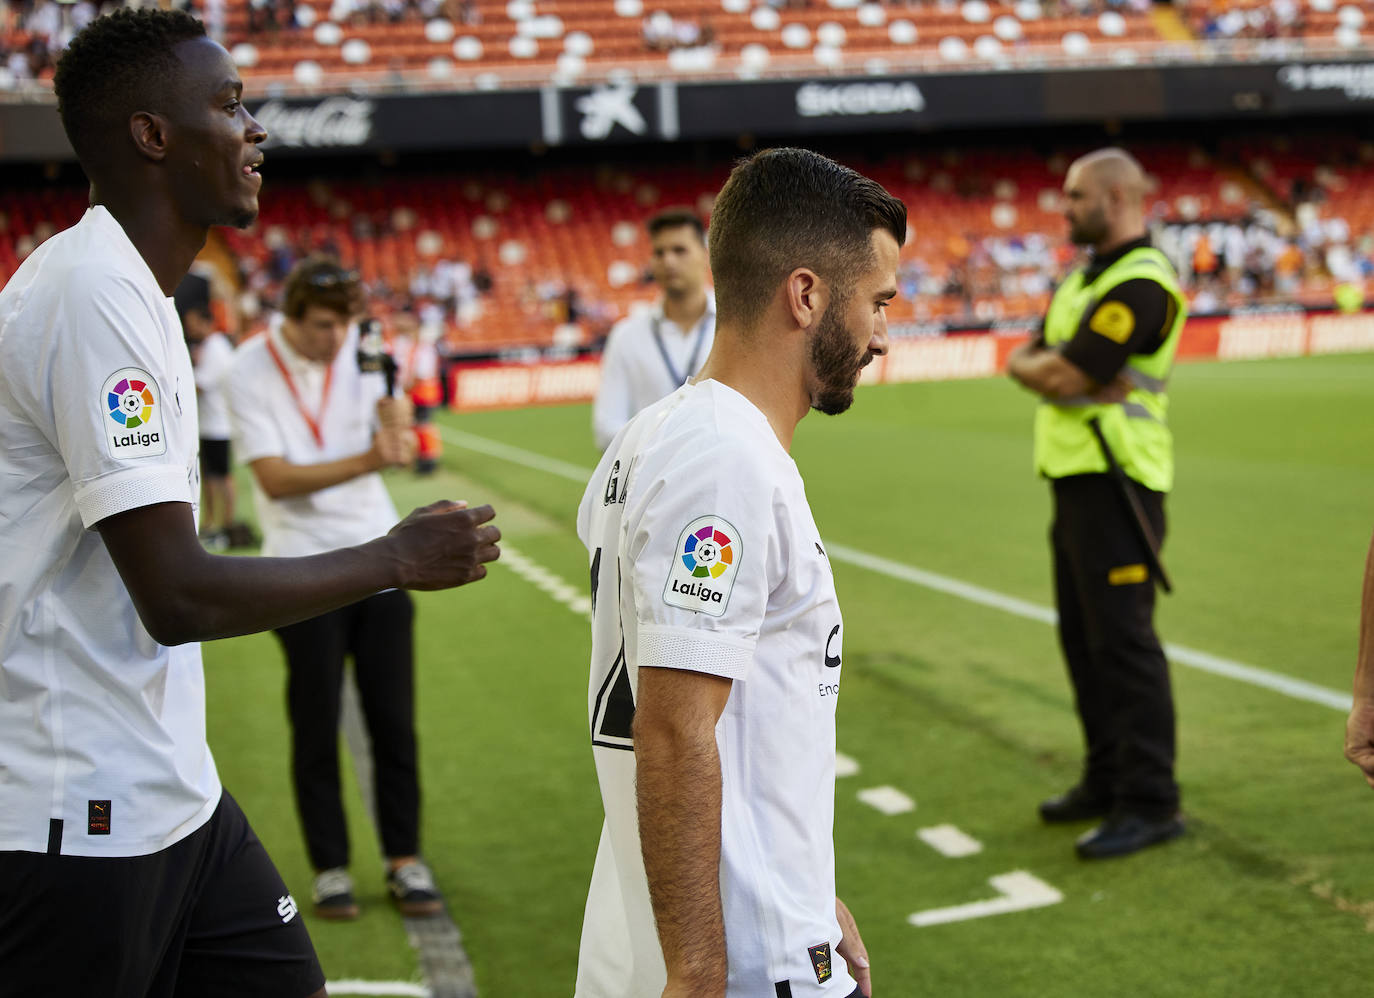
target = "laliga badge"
x: 132, y: 405
x: 705, y: 564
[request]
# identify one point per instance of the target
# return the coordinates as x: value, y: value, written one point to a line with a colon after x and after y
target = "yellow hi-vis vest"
x: 1137, y: 429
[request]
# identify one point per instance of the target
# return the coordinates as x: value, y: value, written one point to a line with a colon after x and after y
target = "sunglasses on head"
x: 332, y: 278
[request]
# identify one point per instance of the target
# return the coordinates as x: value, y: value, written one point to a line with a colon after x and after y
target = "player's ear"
x: 149, y: 131
x: 806, y: 296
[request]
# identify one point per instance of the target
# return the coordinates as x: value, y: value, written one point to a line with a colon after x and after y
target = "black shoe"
x: 1125, y: 833
x: 1075, y: 804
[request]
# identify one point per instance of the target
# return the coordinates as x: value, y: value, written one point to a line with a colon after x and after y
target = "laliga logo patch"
x: 704, y: 567
x: 130, y: 400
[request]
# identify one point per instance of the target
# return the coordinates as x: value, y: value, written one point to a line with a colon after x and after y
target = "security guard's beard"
x: 835, y: 362
x: 1090, y: 231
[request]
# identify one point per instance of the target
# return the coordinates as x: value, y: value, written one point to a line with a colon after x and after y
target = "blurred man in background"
x: 653, y: 353
x: 416, y: 349
x: 211, y: 354
x: 1105, y: 354
x: 315, y: 429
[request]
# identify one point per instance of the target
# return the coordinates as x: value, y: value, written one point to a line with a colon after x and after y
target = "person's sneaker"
x: 414, y: 891
x: 332, y: 894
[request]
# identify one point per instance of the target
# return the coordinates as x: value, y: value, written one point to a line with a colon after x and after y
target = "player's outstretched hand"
x: 1359, y: 738
x: 445, y: 544
x: 852, y: 948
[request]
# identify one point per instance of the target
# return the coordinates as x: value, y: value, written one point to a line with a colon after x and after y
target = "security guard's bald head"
x: 1104, y: 194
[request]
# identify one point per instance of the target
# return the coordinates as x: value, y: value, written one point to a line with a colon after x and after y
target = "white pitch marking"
x: 1298, y: 689
x: 845, y: 765
x: 353, y: 987
x: 888, y: 800
x: 949, y: 841
x: 531, y: 571
x: 1018, y: 891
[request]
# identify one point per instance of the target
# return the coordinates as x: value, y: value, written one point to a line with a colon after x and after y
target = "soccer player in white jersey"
x: 125, y: 869
x: 716, y: 632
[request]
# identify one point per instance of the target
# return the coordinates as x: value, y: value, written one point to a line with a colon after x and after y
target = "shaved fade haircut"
x: 787, y: 208
x: 114, y: 67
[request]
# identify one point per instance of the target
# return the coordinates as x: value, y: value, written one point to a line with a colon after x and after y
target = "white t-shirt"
x: 216, y: 354
x: 268, y: 421
x: 697, y: 518
x: 647, y: 357
x: 101, y: 727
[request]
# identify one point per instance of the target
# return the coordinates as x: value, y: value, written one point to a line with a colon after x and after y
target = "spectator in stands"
x: 296, y: 396
x: 653, y: 353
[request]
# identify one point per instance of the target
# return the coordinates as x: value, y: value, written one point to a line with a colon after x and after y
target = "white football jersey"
x: 705, y: 556
x: 102, y: 729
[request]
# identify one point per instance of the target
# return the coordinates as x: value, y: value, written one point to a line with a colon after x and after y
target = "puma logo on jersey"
x: 286, y: 908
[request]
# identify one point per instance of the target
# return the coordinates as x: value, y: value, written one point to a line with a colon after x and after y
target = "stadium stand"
x: 508, y: 260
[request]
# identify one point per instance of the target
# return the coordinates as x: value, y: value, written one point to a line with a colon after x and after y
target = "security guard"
x: 1107, y: 347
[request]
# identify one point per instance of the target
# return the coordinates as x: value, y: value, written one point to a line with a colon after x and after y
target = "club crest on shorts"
x: 133, y: 424
x: 704, y: 567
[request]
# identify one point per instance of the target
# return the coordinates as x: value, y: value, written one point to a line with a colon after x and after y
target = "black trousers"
x: 1106, y: 629
x: 376, y: 633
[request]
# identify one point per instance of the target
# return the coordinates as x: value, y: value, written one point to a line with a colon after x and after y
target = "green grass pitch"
x: 964, y: 708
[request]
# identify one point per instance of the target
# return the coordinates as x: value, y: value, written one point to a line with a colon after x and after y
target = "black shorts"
x: 208, y: 917
x: 214, y: 458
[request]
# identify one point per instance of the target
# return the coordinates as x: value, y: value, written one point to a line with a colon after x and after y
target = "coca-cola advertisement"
x: 358, y: 122
x: 332, y: 122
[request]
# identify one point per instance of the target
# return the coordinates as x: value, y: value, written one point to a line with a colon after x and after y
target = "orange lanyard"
x: 311, y: 421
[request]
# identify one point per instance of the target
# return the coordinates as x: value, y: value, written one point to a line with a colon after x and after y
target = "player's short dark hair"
x: 321, y: 281
x: 676, y: 218
x: 787, y: 208
x: 117, y: 65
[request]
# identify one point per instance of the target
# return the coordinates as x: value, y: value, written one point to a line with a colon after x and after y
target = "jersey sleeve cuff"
x: 695, y: 651
x: 122, y: 491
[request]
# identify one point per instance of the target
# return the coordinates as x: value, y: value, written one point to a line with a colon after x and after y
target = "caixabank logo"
x: 705, y: 565
x: 130, y: 400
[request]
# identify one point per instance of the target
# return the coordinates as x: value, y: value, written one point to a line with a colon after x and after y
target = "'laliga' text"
x: 703, y: 593
x: 136, y: 439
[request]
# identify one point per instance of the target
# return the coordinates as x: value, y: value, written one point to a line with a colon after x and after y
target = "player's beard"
x: 835, y: 363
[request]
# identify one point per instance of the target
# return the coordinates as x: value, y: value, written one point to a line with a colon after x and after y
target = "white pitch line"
x: 845, y: 765
x: 533, y: 572
x: 949, y: 841
x: 1298, y: 689
x: 888, y: 800
x: 354, y: 987
x: 1017, y: 891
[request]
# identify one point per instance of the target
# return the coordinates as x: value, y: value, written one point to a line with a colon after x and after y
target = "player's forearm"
x: 678, y: 788
x: 281, y: 479
x: 183, y: 593
x: 1364, y: 662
